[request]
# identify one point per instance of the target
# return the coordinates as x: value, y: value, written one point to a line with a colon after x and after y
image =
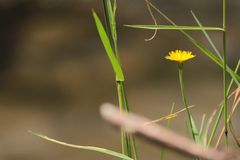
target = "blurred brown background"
x: 55, y: 74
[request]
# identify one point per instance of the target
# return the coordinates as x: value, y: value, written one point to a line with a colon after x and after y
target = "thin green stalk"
x: 110, y: 18
x: 125, y: 97
x: 128, y: 141
x: 225, y: 73
x: 134, y: 145
x: 123, y: 134
x: 131, y: 137
x: 221, y: 109
x: 107, y: 8
x: 207, y: 36
x: 129, y: 148
x: 125, y: 138
x: 180, y: 71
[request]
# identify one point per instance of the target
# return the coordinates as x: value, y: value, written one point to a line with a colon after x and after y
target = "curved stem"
x: 180, y: 73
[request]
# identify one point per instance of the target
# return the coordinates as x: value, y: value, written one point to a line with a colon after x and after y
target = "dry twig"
x: 134, y: 124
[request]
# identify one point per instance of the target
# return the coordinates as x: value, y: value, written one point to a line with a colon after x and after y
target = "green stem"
x: 120, y: 103
x: 129, y: 149
x: 221, y: 109
x: 134, y: 145
x: 225, y: 73
x: 180, y: 71
x: 131, y: 137
x: 128, y: 142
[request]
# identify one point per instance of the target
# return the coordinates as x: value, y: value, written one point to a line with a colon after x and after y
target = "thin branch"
x: 170, y: 116
x: 160, y: 135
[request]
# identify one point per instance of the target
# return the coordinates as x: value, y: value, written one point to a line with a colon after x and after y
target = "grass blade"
x: 234, y: 108
x: 109, y: 13
x: 90, y: 148
x: 221, y: 109
x: 202, y: 125
x: 107, y: 7
x: 172, y: 27
x: 207, y: 36
x: 233, y: 134
x: 107, y: 45
x: 197, y: 136
x: 204, y: 134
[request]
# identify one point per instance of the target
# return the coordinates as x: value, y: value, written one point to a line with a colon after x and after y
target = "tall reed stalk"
x: 127, y: 140
x: 225, y: 103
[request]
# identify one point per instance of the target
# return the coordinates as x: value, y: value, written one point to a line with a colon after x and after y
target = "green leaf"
x: 173, y: 27
x: 204, y: 134
x: 196, y: 133
x: 109, y: 13
x: 107, y: 45
x: 208, y: 53
x: 202, y: 124
x: 207, y: 36
x: 90, y: 148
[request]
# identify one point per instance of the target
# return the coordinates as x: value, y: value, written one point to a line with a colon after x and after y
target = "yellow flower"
x: 180, y: 56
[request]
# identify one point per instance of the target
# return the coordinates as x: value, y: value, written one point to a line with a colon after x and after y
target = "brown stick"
x: 134, y: 124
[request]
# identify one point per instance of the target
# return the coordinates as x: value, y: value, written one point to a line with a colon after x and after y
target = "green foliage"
x: 201, y: 47
x: 207, y: 36
x: 171, y: 27
x: 108, y: 36
x: 89, y: 148
x: 107, y: 45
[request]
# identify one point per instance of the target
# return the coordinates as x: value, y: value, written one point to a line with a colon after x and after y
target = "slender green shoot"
x: 108, y: 15
x: 207, y: 36
x: 180, y: 71
x: 131, y: 137
x: 171, y: 27
x: 225, y: 102
x: 107, y: 45
x: 202, y: 124
x: 123, y: 134
x: 90, y: 148
x: 128, y: 142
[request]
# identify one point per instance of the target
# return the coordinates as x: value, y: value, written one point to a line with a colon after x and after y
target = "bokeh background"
x: 55, y: 74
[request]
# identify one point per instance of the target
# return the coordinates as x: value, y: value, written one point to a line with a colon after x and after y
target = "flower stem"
x: 180, y: 73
